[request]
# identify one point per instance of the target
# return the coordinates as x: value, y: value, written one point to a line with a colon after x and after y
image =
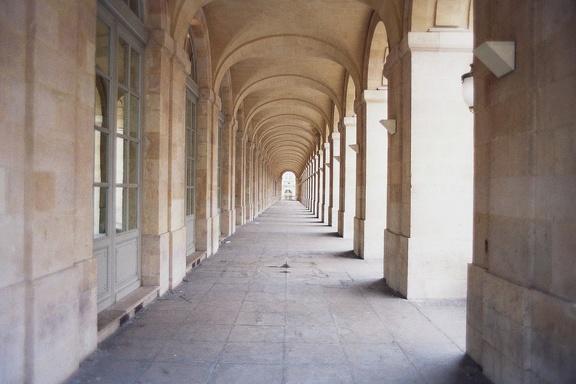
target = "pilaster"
x: 157, y: 185
x: 371, y: 172
x: 228, y: 205
x: 334, y: 161
x: 240, y: 190
x: 347, y: 178
x: 205, y: 173
x: 429, y: 236
x: 326, y: 182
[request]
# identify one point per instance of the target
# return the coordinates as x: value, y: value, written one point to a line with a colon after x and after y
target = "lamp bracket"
x: 389, y: 124
x: 498, y: 56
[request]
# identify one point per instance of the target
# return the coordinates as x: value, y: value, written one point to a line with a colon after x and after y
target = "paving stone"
x: 287, y: 302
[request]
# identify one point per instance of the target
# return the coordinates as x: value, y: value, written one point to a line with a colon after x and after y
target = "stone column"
x: 334, y: 160
x: 429, y: 236
x: 205, y: 172
x: 240, y: 181
x: 319, y: 184
x: 372, y: 172
x: 176, y: 163
x: 156, y: 183
x: 327, y: 183
x: 347, y: 178
x: 249, y: 183
x: 228, y: 205
x: 256, y: 182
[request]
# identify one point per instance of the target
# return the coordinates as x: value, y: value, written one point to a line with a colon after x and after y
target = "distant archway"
x: 288, y: 186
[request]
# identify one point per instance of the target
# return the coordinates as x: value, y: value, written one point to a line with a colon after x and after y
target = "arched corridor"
x: 284, y: 300
x: 138, y: 136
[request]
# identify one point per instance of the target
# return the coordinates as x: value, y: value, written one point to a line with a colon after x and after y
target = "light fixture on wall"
x: 498, y: 56
x: 390, y: 125
x: 468, y: 89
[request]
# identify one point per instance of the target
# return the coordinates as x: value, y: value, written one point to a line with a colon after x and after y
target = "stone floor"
x: 285, y: 301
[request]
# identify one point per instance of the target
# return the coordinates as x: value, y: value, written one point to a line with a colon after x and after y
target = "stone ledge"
x: 112, y: 318
x: 194, y: 260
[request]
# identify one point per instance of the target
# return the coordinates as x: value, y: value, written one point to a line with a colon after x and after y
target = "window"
x: 220, y: 161
x: 190, y: 138
x: 190, y: 51
x: 117, y: 115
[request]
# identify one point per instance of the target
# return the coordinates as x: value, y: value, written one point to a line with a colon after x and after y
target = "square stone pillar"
x: 228, y: 205
x: 207, y: 228
x: 156, y: 178
x: 176, y: 164
x: 319, y: 184
x: 326, y: 182
x: 249, y: 191
x: 347, y: 178
x: 334, y: 161
x: 372, y: 175
x: 429, y: 236
x: 240, y: 181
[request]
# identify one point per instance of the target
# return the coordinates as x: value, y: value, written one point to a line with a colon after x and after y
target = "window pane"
x: 121, y: 111
x: 100, y: 157
x: 132, y: 208
x: 134, y: 115
x: 134, y: 70
x: 122, y: 60
x: 102, y: 46
x: 193, y: 201
x: 188, y: 201
x: 100, y: 209
x: 101, y: 102
x: 121, y: 160
x: 121, y: 205
x: 133, y: 162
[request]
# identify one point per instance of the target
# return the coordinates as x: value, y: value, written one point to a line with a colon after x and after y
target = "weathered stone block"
x: 553, y: 350
x: 12, y: 333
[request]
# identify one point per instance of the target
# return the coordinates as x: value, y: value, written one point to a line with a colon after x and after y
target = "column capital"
x: 207, y: 96
x: 374, y: 96
x: 335, y: 136
x: 349, y: 122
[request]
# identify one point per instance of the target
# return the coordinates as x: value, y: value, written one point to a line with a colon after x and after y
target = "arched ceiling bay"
x: 288, y: 61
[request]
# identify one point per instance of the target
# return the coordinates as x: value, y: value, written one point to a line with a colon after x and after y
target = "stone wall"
x: 522, y: 290
x: 48, y: 275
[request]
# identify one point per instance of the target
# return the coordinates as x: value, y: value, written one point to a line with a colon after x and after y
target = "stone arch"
x: 226, y: 96
x: 201, y: 40
x: 316, y: 131
x: 182, y: 11
x: 301, y: 104
x: 261, y: 48
x: 392, y: 15
x: 375, y: 55
x: 269, y: 81
x: 350, y: 97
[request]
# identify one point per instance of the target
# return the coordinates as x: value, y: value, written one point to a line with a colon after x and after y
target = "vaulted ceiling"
x: 291, y: 68
x: 288, y: 62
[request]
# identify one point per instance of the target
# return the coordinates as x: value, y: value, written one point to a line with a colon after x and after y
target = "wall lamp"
x: 468, y: 89
x: 498, y: 56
